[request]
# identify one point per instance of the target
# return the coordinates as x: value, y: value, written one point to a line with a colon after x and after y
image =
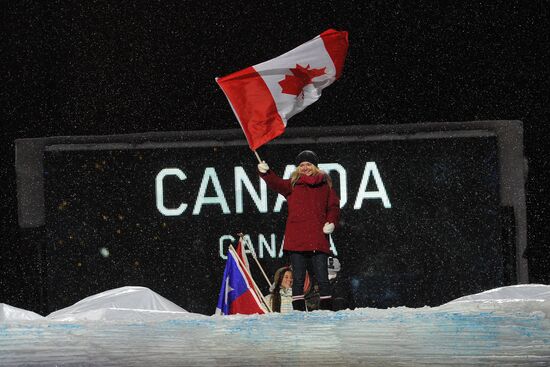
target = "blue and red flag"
x: 236, y: 293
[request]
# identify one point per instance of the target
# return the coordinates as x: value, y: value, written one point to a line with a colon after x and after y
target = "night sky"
x: 114, y: 68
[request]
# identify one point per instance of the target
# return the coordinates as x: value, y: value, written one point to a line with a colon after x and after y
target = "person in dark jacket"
x: 313, y: 214
x: 342, y: 296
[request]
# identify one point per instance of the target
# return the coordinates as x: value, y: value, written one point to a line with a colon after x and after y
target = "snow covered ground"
x: 133, y: 326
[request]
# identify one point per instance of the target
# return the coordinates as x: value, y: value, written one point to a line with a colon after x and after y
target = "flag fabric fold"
x: 241, y: 253
x: 237, y: 295
x: 264, y: 96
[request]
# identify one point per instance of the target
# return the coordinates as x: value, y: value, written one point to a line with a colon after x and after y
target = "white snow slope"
x: 133, y: 326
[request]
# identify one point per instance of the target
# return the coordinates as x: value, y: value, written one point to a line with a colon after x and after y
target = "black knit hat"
x: 307, y: 156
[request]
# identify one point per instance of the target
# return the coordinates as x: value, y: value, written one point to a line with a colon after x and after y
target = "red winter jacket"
x: 311, y: 203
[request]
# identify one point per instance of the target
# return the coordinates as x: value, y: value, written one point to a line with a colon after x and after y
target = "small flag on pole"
x: 264, y: 96
x: 236, y: 294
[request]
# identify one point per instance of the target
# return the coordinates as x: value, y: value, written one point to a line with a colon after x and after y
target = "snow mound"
x: 140, y: 304
x: 522, y: 297
x: 504, y: 327
x: 121, y: 304
x: 514, y: 293
x: 10, y: 313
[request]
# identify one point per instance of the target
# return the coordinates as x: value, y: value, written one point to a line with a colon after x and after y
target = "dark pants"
x: 318, y: 266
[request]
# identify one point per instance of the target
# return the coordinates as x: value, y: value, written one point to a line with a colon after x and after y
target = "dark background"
x: 441, y: 237
x: 111, y: 68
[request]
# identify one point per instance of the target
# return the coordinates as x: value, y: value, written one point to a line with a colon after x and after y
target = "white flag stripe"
x: 312, y: 53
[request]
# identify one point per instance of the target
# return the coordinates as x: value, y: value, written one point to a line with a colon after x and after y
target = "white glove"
x: 263, y: 167
x: 328, y: 228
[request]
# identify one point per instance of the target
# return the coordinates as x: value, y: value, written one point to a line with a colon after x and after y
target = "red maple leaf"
x: 295, y: 83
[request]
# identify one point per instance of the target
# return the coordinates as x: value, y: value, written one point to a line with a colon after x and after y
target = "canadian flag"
x: 265, y: 96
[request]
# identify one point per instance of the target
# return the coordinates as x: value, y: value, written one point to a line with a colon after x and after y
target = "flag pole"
x: 257, y: 156
x: 256, y: 288
x: 243, y: 239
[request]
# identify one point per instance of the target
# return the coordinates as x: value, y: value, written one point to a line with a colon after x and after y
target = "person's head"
x: 283, y: 278
x: 287, y: 280
x: 306, y: 163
